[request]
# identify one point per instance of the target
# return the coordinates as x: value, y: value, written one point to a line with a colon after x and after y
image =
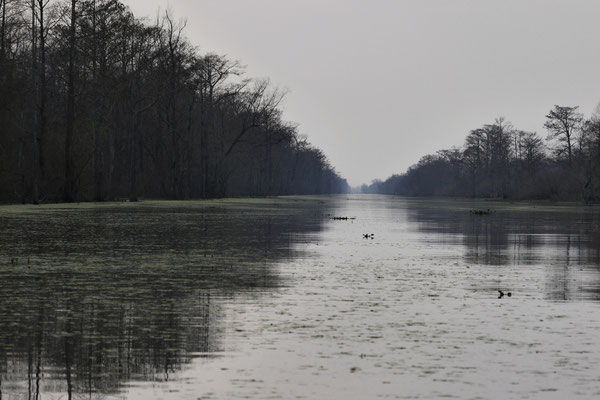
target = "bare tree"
x: 35, y: 148
x: 69, y: 189
x: 562, y: 123
x: 2, y: 30
x: 531, y: 149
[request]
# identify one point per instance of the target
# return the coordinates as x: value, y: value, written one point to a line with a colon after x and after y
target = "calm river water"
x: 275, y: 299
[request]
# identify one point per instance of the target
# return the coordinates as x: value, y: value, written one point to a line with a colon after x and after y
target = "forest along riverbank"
x: 277, y: 298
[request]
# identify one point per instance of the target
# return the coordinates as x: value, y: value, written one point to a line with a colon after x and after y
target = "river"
x: 279, y: 298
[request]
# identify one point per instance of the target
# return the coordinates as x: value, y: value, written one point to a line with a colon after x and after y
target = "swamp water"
x: 270, y: 299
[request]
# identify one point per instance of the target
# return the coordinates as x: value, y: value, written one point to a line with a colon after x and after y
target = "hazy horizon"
x: 377, y: 87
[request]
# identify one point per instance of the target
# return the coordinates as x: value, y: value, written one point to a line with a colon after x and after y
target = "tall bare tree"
x: 562, y: 123
x: 69, y: 189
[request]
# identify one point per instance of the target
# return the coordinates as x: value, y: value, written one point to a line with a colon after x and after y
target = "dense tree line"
x: 499, y: 161
x: 96, y: 104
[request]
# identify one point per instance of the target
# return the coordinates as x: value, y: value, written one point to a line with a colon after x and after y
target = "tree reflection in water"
x: 105, y: 295
x: 563, y: 239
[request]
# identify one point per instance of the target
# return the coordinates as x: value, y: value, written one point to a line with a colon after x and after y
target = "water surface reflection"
x: 562, y: 239
x: 93, y: 297
x: 271, y: 299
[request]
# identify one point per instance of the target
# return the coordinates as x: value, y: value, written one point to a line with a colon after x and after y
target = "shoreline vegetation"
x: 498, y: 161
x: 264, y: 200
x: 465, y: 204
x: 97, y: 104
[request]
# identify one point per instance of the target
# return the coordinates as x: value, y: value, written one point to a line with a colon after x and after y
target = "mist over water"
x: 274, y: 298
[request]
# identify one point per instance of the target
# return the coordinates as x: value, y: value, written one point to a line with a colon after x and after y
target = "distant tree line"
x: 499, y: 161
x: 96, y: 104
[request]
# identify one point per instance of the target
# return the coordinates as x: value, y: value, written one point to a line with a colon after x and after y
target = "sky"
x: 378, y: 84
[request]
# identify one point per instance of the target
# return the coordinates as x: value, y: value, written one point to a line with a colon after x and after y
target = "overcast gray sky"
x: 378, y: 84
